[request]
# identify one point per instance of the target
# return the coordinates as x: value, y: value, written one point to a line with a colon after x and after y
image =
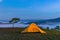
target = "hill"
x: 47, y: 21
x: 14, y: 34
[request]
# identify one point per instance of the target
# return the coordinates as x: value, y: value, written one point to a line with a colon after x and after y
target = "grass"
x: 14, y: 34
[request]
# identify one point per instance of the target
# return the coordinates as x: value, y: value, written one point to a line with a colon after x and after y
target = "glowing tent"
x: 33, y: 28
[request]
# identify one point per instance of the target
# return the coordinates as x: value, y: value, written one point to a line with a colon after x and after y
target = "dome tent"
x: 33, y: 28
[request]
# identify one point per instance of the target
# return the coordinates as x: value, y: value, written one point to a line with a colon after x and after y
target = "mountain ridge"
x: 55, y: 20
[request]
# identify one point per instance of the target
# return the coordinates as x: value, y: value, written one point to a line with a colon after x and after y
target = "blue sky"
x: 29, y: 9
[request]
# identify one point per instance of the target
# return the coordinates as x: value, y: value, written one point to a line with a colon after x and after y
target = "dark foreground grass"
x: 16, y: 35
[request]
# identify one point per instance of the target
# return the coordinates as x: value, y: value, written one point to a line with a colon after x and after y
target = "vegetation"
x: 14, y: 20
x: 57, y: 27
x: 15, y: 33
x: 8, y: 34
x: 47, y: 28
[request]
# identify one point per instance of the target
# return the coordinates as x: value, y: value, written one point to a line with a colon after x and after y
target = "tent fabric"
x: 33, y: 28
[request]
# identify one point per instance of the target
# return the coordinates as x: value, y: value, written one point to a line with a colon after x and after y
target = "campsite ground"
x: 14, y: 34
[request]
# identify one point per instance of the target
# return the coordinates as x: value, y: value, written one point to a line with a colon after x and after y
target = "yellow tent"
x: 33, y: 28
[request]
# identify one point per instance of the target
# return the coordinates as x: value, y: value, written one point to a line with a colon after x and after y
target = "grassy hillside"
x: 14, y: 34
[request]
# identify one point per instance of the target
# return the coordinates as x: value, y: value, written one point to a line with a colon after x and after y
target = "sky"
x: 29, y: 9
